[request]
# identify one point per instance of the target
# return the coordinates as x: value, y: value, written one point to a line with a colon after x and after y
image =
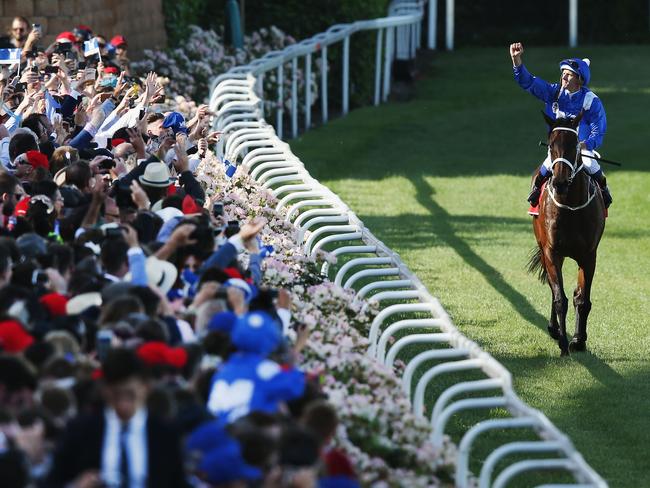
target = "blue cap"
x: 226, y: 463
x: 221, y: 459
x: 207, y: 436
x: 256, y: 332
x: 579, y: 67
x: 176, y: 122
x: 222, y: 322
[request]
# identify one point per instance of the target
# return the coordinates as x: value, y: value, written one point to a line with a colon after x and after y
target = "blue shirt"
x: 249, y: 382
x: 594, y: 122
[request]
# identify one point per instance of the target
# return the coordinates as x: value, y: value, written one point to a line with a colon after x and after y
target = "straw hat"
x: 161, y: 274
x: 78, y: 304
x: 156, y: 174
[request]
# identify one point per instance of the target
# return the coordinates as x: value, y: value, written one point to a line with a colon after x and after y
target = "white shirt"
x: 137, y: 449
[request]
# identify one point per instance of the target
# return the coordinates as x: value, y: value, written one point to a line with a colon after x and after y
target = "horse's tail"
x: 536, y: 264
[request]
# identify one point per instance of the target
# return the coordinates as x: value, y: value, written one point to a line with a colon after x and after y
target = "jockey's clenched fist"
x: 516, y: 50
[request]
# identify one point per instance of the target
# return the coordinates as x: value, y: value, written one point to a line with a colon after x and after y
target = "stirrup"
x: 533, y: 196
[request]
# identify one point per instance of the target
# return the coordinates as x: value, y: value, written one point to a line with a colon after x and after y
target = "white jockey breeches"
x: 590, y: 164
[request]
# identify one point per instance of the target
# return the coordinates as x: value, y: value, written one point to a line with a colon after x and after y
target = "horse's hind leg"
x: 553, y: 327
x: 582, y: 303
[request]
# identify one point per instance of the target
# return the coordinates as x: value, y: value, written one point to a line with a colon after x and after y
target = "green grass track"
x: 442, y: 179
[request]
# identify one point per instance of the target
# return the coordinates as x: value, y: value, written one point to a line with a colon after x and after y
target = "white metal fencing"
x: 324, y: 220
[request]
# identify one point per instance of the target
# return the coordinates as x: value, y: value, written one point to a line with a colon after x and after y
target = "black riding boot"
x: 599, y: 178
x: 536, y: 191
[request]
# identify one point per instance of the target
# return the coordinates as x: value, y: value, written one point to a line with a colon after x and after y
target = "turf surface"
x: 442, y: 180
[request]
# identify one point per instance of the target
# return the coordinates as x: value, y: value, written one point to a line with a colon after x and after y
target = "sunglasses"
x: 18, y: 29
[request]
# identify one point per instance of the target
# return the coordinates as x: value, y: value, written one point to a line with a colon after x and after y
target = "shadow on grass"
x: 444, y: 231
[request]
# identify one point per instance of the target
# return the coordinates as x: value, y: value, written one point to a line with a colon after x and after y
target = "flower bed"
x: 387, y: 443
x: 190, y: 68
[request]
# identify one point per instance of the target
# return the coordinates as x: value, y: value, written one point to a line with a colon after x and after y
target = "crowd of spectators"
x: 138, y: 344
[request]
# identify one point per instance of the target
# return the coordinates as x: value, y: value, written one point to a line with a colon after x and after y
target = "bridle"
x: 575, y: 169
x: 574, y: 166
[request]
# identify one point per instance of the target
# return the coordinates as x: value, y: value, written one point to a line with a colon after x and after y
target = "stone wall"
x: 141, y: 22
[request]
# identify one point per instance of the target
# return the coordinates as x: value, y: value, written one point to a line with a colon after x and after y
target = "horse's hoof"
x: 554, y: 332
x: 564, y: 353
x: 577, y: 345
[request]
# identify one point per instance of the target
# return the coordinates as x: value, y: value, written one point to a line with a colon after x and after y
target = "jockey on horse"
x: 566, y: 100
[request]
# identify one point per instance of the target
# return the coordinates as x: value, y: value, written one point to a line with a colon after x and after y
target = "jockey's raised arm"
x: 565, y: 100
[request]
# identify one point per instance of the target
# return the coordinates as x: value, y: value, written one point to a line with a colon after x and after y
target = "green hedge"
x: 547, y: 22
x: 300, y: 19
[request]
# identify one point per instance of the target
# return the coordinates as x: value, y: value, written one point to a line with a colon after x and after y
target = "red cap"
x: 190, y: 206
x: 20, y: 210
x: 153, y: 353
x: 13, y: 337
x: 118, y: 41
x: 111, y: 70
x: 233, y: 273
x: 37, y: 159
x: 83, y: 28
x: 55, y: 303
x: 117, y: 141
x: 66, y: 36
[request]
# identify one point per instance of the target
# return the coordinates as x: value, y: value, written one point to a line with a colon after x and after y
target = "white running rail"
x: 324, y: 220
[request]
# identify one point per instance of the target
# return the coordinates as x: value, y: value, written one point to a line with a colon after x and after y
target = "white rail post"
x: 346, y: 74
x: 308, y: 91
x: 259, y: 85
x: 378, y: 67
x: 450, y: 25
x: 323, y: 84
x: 573, y: 23
x: 280, y: 111
x: 414, y: 39
x: 433, y: 19
x: 388, y: 60
x: 294, y: 97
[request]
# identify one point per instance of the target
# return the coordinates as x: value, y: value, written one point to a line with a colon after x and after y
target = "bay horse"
x: 570, y: 224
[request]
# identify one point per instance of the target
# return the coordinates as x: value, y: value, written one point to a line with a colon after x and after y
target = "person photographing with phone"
x: 567, y: 99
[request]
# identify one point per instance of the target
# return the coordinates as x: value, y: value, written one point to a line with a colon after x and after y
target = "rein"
x: 575, y: 169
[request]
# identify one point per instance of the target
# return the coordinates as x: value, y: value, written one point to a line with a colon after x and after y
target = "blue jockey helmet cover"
x: 579, y: 67
x: 256, y: 332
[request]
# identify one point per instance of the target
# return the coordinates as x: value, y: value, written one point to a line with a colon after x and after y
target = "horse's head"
x: 564, y: 148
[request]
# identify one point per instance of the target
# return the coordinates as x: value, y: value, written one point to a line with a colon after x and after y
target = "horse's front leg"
x: 560, y: 301
x: 582, y: 302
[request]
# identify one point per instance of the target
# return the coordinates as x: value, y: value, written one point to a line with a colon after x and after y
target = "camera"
x: 232, y: 228
x: 113, y: 232
x: 34, y: 69
x: 62, y: 48
x: 103, y: 343
x: 217, y: 209
x: 37, y: 28
x: 51, y: 70
x: 39, y: 277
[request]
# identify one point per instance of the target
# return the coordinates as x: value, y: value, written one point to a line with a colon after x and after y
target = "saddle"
x: 534, y: 210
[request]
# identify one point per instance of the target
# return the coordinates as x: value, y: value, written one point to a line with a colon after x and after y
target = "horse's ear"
x: 548, y: 120
x: 577, y: 119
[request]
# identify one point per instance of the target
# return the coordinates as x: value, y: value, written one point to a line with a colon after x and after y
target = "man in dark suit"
x: 123, y: 446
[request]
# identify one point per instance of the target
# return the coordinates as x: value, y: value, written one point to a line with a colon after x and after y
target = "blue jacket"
x: 594, y: 122
x: 249, y: 382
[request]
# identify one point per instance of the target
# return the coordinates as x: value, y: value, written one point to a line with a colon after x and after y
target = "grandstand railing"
x: 324, y: 220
